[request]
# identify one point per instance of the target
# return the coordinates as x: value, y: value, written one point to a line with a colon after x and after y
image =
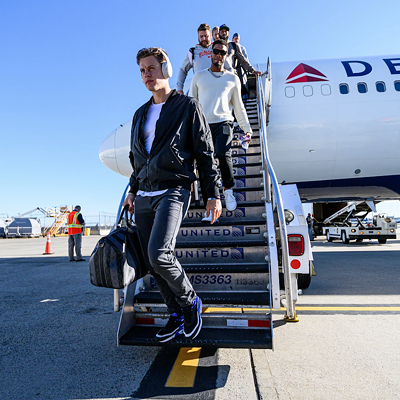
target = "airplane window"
x: 380, y: 87
x: 326, y: 90
x: 397, y: 86
x: 289, y: 91
x: 362, y: 87
x: 307, y: 90
x: 344, y: 88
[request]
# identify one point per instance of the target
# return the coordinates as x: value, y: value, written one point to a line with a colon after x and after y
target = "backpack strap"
x: 191, y: 55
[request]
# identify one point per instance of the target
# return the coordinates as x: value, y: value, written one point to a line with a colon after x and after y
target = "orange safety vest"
x: 74, y: 226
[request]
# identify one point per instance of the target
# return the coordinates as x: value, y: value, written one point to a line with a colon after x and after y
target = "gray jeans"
x: 75, y: 241
x: 158, y: 220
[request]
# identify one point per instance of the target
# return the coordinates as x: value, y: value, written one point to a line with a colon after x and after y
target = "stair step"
x: 205, y: 232
x: 228, y: 299
x: 251, y: 251
x: 228, y: 224
x: 245, y: 268
x: 217, y: 244
x: 219, y: 282
x: 208, y: 337
x: 244, y: 211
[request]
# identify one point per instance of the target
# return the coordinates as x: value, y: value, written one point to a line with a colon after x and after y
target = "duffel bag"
x: 117, y: 259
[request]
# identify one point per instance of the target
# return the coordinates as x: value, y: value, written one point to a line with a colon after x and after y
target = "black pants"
x: 222, y: 134
x: 158, y: 219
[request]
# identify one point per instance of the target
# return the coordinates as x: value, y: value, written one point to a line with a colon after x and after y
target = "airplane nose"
x: 114, y: 151
x: 107, y: 152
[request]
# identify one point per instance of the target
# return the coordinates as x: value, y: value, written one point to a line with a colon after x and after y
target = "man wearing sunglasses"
x: 198, y: 57
x: 218, y: 91
x: 168, y: 133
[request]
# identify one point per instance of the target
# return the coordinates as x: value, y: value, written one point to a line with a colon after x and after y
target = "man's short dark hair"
x: 204, y: 27
x: 220, y: 41
x: 151, y: 51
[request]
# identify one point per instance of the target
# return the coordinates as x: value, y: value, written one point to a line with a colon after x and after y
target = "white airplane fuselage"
x: 334, y: 128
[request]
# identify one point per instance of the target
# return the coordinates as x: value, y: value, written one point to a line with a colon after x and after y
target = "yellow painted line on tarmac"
x: 184, y: 370
x: 344, y: 308
x: 332, y: 308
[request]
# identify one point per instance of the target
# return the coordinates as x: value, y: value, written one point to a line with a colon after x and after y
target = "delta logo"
x: 305, y: 73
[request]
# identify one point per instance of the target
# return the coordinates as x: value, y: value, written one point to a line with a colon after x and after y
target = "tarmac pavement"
x: 58, y: 333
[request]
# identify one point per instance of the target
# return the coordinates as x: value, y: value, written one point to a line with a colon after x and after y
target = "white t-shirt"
x: 153, y: 114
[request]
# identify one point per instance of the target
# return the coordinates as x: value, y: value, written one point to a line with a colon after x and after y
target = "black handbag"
x: 117, y: 259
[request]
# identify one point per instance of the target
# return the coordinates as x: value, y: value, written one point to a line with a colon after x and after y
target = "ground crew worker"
x: 76, y: 224
x: 168, y: 133
x: 310, y: 225
x: 198, y: 57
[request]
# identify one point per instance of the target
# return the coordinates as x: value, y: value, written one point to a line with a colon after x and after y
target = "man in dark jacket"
x: 169, y: 133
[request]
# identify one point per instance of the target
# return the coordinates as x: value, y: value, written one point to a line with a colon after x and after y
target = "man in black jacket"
x: 169, y: 133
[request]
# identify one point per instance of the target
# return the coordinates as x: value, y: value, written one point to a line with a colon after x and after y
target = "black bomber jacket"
x: 182, y: 135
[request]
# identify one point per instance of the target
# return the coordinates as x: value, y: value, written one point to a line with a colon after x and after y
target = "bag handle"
x: 129, y: 221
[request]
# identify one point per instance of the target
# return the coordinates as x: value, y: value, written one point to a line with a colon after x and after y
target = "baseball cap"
x: 224, y: 27
x: 236, y: 35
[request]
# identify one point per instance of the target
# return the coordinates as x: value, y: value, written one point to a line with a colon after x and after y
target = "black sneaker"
x: 172, y: 329
x: 192, y: 317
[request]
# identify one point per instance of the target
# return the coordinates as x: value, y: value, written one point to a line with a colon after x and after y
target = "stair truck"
x: 349, y: 224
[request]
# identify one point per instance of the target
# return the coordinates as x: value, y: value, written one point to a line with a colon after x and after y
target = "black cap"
x: 224, y: 27
x: 236, y: 35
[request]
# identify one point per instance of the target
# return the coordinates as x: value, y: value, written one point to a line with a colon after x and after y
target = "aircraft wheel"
x: 345, y: 240
x: 381, y: 241
x: 328, y: 237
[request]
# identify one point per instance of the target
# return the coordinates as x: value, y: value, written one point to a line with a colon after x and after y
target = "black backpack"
x: 117, y: 260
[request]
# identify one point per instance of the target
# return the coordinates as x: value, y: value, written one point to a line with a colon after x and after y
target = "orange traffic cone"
x: 48, y: 245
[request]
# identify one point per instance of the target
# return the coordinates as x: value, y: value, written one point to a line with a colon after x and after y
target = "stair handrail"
x: 272, y: 192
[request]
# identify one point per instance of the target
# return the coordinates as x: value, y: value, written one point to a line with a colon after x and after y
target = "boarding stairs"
x: 58, y: 222
x: 228, y: 263
x: 356, y: 209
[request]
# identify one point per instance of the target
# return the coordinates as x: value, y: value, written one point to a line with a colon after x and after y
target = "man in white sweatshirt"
x: 218, y: 92
x: 198, y: 57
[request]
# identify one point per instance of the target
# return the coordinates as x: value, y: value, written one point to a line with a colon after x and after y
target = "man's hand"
x: 214, y: 207
x: 180, y: 91
x: 258, y: 73
x: 130, y: 199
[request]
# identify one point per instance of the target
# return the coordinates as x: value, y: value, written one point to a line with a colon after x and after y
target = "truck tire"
x: 304, y: 280
x: 381, y: 241
x: 345, y: 240
x: 328, y: 237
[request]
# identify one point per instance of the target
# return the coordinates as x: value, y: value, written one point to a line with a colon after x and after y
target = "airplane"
x: 334, y: 129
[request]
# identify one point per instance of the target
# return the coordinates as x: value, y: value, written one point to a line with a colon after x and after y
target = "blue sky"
x: 69, y: 76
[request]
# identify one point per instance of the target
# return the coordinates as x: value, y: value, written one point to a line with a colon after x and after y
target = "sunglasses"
x: 222, y: 52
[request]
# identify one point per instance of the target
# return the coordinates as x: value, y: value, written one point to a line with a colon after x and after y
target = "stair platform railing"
x: 273, y: 199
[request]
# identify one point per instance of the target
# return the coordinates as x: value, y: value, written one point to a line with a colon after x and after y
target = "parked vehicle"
x: 24, y: 227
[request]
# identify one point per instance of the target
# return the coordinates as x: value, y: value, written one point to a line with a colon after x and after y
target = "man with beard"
x: 235, y: 53
x: 198, y: 57
x: 218, y: 91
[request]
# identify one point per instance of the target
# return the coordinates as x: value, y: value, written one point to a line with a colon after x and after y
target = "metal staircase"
x: 58, y: 222
x: 229, y: 262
